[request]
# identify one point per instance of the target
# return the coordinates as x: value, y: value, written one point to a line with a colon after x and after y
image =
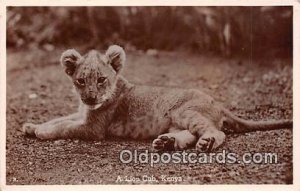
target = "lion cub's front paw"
x: 41, y: 132
x: 164, y: 143
x: 29, y: 129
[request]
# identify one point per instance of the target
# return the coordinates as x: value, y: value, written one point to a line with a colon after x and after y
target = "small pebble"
x: 58, y: 142
x: 207, y: 179
x: 33, y: 96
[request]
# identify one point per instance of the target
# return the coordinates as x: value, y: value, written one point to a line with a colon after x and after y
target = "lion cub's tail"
x: 234, y: 124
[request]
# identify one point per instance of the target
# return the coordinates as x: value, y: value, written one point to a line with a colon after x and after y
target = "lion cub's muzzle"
x: 90, y: 100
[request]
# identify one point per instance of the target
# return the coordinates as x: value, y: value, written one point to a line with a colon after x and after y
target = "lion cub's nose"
x: 89, y: 100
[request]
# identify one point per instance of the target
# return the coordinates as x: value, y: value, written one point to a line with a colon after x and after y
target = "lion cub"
x: 111, y: 106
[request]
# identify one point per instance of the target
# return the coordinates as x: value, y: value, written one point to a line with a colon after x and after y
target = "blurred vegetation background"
x: 226, y: 31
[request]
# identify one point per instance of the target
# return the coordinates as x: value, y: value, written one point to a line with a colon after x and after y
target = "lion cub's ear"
x: 116, y: 57
x: 69, y: 60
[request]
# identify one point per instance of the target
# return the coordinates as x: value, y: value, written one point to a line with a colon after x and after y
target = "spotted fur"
x: 111, y: 106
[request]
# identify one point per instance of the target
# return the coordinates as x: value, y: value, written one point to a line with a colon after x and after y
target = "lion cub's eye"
x: 80, y: 82
x: 101, y: 80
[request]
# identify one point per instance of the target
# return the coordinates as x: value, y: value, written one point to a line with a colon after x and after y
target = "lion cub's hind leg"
x: 174, y: 140
x: 209, y: 136
x: 210, y: 140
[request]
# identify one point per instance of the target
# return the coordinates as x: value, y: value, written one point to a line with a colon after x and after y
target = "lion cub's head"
x: 94, y: 75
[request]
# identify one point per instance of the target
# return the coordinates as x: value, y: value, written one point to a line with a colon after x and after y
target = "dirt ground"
x: 38, y: 90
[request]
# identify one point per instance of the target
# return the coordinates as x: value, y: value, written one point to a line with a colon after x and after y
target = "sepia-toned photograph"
x: 149, y: 95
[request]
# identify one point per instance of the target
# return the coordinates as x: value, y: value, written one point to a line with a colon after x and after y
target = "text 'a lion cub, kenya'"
x: 111, y: 106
